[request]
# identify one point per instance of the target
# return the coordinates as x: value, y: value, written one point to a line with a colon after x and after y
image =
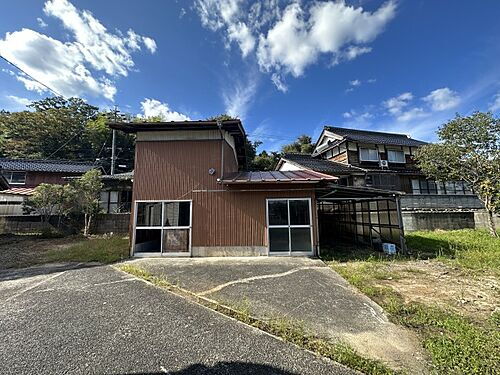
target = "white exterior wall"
x: 286, y: 166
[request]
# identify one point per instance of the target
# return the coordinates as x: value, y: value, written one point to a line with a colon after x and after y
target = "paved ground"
x: 300, y: 288
x: 96, y: 319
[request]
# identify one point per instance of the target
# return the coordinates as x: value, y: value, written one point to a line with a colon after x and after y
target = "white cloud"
x: 495, y: 106
x: 396, y: 104
x: 155, y: 108
x: 18, y: 100
x: 71, y: 68
x: 279, y: 82
x: 372, y: 80
x: 442, y: 99
x: 288, y: 41
x: 41, y: 22
x: 412, y: 114
x: 150, y: 44
x: 240, y: 33
x: 239, y: 97
x: 355, y: 82
x: 354, y: 51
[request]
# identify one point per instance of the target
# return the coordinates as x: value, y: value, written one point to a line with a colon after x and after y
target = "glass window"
x: 278, y: 212
x: 299, y: 212
x: 289, y: 225
x: 176, y: 240
x: 300, y: 239
x: 148, y: 214
x: 15, y: 178
x: 148, y: 240
x: 395, y: 156
x: 177, y: 214
x: 368, y: 154
x: 278, y: 239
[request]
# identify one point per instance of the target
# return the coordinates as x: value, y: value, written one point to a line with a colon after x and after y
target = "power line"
x: 29, y: 75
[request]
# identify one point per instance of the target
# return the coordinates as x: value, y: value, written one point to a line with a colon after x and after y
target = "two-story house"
x: 23, y: 175
x: 385, y: 161
x: 191, y: 197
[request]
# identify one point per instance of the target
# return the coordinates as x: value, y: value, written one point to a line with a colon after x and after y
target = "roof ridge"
x: 66, y: 161
x: 367, y: 131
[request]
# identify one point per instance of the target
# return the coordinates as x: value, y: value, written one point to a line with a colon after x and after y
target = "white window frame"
x: 367, y: 148
x: 396, y: 161
x: 289, y: 227
x: 162, y: 227
x: 9, y: 178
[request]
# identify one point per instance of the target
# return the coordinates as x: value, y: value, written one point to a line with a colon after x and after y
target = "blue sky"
x: 285, y: 67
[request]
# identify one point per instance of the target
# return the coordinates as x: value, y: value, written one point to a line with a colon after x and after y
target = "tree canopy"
x: 58, y: 128
x: 469, y: 150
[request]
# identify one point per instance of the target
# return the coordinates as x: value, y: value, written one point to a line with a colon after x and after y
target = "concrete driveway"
x: 302, y: 289
x: 97, y: 320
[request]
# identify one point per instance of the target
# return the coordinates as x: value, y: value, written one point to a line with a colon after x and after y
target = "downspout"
x: 219, y: 125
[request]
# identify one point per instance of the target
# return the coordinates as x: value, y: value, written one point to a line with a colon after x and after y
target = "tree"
x: 302, y: 145
x: 469, y: 150
x: 50, y: 199
x: 87, y: 193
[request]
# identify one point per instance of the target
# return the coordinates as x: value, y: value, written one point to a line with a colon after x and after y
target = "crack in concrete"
x: 253, y: 278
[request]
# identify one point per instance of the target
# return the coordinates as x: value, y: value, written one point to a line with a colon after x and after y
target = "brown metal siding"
x: 34, y: 179
x: 179, y: 170
x: 236, y: 218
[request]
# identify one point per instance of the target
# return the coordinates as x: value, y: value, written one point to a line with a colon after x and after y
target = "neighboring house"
x: 385, y: 161
x: 191, y: 197
x: 116, y: 195
x: 24, y: 175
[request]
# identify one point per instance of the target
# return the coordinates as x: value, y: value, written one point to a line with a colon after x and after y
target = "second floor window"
x: 15, y: 178
x: 396, y: 156
x: 368, y: 154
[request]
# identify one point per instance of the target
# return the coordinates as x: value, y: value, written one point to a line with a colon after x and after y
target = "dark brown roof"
x: 38, y: 165
x: 368, y: 136
x: 233, y: 127
x: 276, y: 177
x: 320, y: 165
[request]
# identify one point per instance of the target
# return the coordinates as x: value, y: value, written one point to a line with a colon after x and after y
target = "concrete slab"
x: 98, y: 320
x: 302, y: 289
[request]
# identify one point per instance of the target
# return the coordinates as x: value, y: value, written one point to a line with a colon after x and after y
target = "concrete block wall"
x: 111, y: 223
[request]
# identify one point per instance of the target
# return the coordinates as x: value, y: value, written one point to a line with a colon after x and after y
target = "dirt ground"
x: 435, y: 283
x: 26, y: 250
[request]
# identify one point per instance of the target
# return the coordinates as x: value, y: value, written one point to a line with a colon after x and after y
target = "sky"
x: 285, y: 67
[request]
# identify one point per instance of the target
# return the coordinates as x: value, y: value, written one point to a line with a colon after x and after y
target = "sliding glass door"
x: 162, y: 228
x: 289, y: 224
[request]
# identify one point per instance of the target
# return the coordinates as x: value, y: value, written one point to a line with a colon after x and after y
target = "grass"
x: 455, y: 343
x: 468, y: 248
x: 103, y: 250
x: 285, y: 328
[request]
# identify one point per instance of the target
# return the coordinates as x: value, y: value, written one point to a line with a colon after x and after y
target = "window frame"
x: 396, y: 161
x: 8, y: 177
x: 162, y: 228
x: 289, y: 227
x: 368, y: 148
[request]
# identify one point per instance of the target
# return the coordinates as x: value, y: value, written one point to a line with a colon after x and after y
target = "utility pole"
x: 113, y: 143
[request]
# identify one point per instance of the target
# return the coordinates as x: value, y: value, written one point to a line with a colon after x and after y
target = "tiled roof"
x: 276, y: 177
x: 34, y: 165
x: 367, y: 136
x: 321, y: 165
x: 118, y: 176
x: 18, y: 191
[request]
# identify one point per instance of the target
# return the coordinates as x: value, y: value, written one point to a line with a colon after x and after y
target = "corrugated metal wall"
x: 179, y: 170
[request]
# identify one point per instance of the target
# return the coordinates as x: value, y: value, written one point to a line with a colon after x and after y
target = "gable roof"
x: 320, y: 165
x: 233, y: 127
x: 36, y: 165
x: 368, y: 136
x: 258, y: 177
